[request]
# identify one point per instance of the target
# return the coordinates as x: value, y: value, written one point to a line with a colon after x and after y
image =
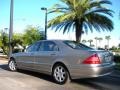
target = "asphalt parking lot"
x: 26, y: 80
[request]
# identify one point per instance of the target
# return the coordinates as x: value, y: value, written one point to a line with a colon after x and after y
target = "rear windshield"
x: 75, y: 45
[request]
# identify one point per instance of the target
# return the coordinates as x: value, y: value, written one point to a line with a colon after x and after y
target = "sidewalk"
x: 3, y: 60
x: 3, y: 57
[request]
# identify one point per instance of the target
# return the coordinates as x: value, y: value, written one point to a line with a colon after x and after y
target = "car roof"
x: 54, y: 40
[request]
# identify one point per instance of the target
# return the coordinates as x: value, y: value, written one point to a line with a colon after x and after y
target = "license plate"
x: 108, y: 58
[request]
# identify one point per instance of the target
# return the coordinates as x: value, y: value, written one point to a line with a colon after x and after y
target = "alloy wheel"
x: 60, y: 74
x: 12, y: 65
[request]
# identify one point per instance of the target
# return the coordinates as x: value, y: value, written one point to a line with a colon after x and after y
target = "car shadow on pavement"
x: 38, y: 75
x: 4, y: 67
x: 31, y: 73
x: 88, y: 83
x: 100, y: 83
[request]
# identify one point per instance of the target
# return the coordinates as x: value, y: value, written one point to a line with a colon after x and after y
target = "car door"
x: 48, y: 52
x: 26, y: 59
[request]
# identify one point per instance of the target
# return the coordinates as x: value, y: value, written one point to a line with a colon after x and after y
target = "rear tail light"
x: 94, y: 59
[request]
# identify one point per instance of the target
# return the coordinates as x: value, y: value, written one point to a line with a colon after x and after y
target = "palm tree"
x: 90, y: 41
x: 81, y: 16
x: 96, y: 39
x: 84, y: 41
x: 119, y: 45
x: 100, y: 39
x: 93, y: 45
x: 108, y: 39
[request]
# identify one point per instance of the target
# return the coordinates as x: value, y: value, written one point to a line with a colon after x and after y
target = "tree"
x: 92, y: 45
x: 82, y: 15
x: 119, y: 45
x: 4, y: 42
x: 100, y: 39
x: 16, y: 41
x: 108, y: 39
x: 96, y: 39
x: 90, y: 41
x: 31, y: 35
x: 113, y: 48
x: 84, y: 41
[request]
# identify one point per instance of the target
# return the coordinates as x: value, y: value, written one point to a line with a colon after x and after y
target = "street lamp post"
x: 11, y: 27
x: 45, y: 9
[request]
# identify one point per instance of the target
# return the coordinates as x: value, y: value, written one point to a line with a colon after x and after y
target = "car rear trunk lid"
x: 105, y: 56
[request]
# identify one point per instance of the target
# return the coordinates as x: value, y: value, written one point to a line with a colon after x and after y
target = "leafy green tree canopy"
x: 31, y: 35
x: 4, y: 42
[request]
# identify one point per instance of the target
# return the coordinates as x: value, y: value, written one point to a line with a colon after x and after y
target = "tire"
x: 60, y: 74
x: 12, y: 65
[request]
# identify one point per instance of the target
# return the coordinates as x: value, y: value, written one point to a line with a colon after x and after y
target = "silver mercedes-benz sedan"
x: 64, y: 60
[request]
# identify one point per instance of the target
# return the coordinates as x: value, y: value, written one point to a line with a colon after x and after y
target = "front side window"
x: 33, y: 48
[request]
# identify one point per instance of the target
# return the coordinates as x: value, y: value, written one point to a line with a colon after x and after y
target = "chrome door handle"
x: 53, y: 54
x: 32, y: 54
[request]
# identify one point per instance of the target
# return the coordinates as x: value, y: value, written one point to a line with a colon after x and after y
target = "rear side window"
x: 71, y: 44
x: 50, y: 46
x: 75, y: 45
x: 85, y: 47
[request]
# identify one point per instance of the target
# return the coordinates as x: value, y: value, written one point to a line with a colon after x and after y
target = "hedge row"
x: 117, y: 59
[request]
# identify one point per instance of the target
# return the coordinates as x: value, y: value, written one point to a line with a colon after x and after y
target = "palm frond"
x: 96, y: 3
x: 102, y: 11
x: 99, y: 21
x: 61, y: 18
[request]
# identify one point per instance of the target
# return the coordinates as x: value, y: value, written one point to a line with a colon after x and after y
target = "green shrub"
x: 117, y: 58
x: 16, y: 50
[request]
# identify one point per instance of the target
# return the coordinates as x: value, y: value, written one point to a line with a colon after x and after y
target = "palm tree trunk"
x: 96, y: 44
x: 78, y: 35
x: 99, y: 43
x: 108, y: 43
x: 78, y: 32
x: 90, y: 43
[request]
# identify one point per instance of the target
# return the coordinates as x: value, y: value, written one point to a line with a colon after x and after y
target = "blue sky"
x: 28, y: 12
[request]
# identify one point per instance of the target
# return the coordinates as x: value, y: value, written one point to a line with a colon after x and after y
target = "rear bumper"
x: 89, y: 71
